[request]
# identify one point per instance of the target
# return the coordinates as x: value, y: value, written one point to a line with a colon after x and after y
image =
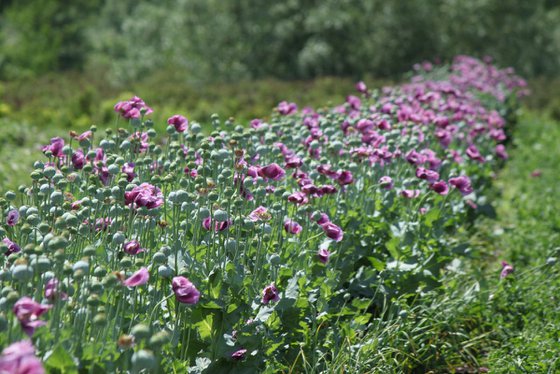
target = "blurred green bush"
x: 217, y: 40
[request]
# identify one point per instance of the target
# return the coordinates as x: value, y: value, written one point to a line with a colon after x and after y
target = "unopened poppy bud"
x: 143, y: 359
x: 140, y: 331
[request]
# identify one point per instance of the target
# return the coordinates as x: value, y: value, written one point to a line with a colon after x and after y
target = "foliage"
x: 237, y: 40
x: 283, y: 269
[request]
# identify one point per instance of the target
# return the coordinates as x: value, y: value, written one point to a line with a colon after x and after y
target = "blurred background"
x: 63, y: 64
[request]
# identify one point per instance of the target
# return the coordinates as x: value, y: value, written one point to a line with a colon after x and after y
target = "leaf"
x: 377, y: 264
x: 60, y: 359
x: 392, y: 245
x: 264, y: 313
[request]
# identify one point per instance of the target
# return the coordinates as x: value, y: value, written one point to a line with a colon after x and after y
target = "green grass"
x: 477, y: 321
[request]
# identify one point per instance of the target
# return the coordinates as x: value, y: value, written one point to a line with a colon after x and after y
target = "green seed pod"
x: 12, y: 297
x: 100, y: 319
x: 159, y: 258
x: 22, y: 272
x: 99, y: 272
x: 142, y: 360
x: 140, y: 331
x: 159, y: 339
x: 220, y: 215
x: 90, y: 251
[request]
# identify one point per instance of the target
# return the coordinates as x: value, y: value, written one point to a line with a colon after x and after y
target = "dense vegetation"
x: 233, y: 40
x: 286, y: 246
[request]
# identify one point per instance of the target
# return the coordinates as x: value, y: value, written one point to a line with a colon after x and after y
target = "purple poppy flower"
x: 361, y: 87
x: 415, y: 158
x: 12, y: 218
x: 19, y: 358
x: 386, y: 182
x: 507, y: 269
x: 218, y: 226
x: 474, y: 154
x: 272, y: 171
x: 83, y: 136
x: 323, y: 255
x: 55, y: 147
x: 180, y: 122
x: 298, y: 198
x: 133, y: 247
x: 354, y: 102
x: 78, y: 159
x: 239, y: 355
x: 345, y: 178
x: 440, y: 187
x: 184, y: 290
x: 256, y: 123
x: 328, y: 189
x: 410, y: 194
x: 426, y: 174
x: 144, y: 195
x: 332, y: 231
x: 323, y: 218
x: 139, y: 278
x: 285, y: 108
x: 128, y: 169
x: 28, y: 312
x: 270, y: 293
x: 292, y: 227
x: 501, y: 152
x: 141, y: 141
x: 12, y: 247
x: 462, y: 183
x: 260, y: 214
x: 52, y: 290
x: 132, y: 108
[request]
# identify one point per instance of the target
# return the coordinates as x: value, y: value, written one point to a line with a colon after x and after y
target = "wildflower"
x: 239, y: 355
x: 272, y: 171
x: 55, y: 147
x: 440, y: 187
x: 270, y: 293
x: 128, y: 169
x: 501, y: 152
x: 139, y: 278
x: 12, y: 218
x: 345, y: 178
x: 184, y: 290
x: 474, y: 153
x: 415, y: 158
x: 298, y: 198
x: 323, y: 255
x: 218, y: 226
x: 52, y: 290
x: 507, y: 269
x: 410, y: 194
x: 180, y: 122
x: 323, y: 218
x: 260, y: 214
x: 361, y: 87
x: 132, y: 108
x: 140, y: 139
x: 12, y: 247
x: 28, y: 312
x: 332, y: 231
x: 285, y: 108
x: 386, y: 182
x: 292, y: 227
x: 133, y: 247
x: 19, y: 358
x: 426, y: 174
x: 78, y: 159
x: 144, y: 195
x: 462, y: 183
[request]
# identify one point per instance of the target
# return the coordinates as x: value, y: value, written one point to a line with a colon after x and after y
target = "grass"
x: 477, y: 322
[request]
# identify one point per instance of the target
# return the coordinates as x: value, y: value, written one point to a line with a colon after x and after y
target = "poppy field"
x: 270, y: 246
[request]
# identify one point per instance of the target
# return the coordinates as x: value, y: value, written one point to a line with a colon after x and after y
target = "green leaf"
x: 60, y: 359
x: 377, y: 264
x: 392, y: 247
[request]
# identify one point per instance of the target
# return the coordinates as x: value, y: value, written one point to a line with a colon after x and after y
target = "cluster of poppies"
x: 133, y: 238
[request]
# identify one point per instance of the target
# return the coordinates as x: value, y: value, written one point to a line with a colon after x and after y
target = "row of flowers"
x: 143, y: 243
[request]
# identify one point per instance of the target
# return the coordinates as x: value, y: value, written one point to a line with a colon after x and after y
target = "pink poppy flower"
x: 270, y: 293
x: 19, y: 358
x: 180, y: 122
x: 139, y: 278
x: 332, y: 231
x: 184, y: 290
x: 28, y: 312
x: 292, y: 227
